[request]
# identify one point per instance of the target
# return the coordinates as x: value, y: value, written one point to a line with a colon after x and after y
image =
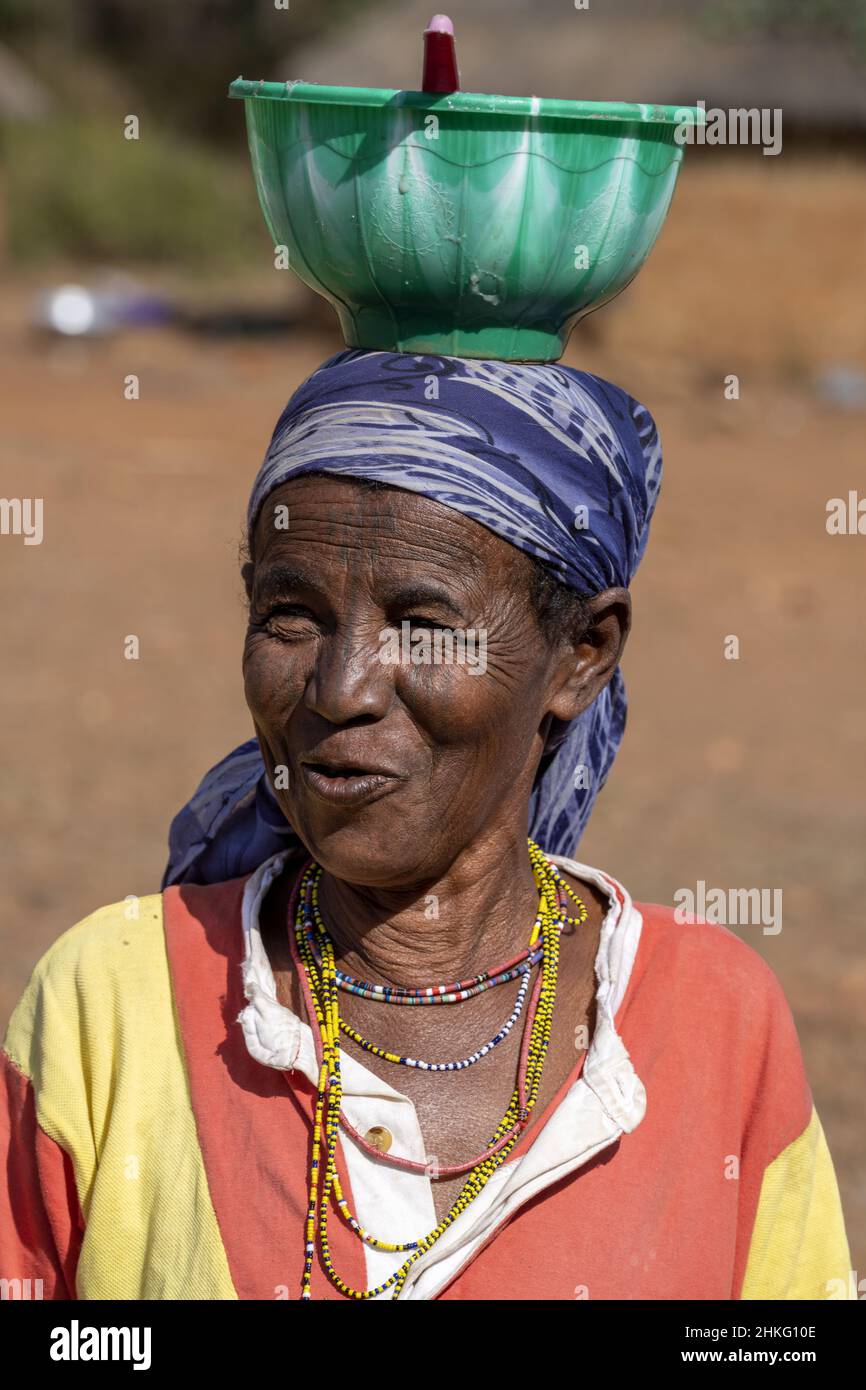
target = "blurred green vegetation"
x: 837, y: 21
x: 171, y: 58
x: 72, y: 187
x: 77, y: 189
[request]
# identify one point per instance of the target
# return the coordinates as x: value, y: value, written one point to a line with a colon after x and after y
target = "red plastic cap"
x: 440, y: 57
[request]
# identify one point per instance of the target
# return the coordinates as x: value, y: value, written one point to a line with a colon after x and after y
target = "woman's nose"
x: 350, y: 680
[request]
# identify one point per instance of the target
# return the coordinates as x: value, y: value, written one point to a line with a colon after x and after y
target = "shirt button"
x: 379, y: 1138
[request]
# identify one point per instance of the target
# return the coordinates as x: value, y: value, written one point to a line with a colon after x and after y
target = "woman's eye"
x: 421, y: 620
x: 290, y: 620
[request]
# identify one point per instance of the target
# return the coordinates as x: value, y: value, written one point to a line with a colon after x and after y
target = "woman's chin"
x: 375, y: 845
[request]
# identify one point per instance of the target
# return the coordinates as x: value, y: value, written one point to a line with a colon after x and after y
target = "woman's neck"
x: 469, y: 919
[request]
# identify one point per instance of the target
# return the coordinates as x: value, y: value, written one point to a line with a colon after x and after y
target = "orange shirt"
x: 155, y: 1141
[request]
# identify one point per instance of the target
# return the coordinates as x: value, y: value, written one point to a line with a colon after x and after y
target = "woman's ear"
x: 247, y: 572
x: 588, y: 662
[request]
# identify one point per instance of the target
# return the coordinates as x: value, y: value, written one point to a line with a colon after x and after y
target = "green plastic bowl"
x: 462, y: 224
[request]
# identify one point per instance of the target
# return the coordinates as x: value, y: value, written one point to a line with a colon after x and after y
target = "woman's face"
x: 385, y: 761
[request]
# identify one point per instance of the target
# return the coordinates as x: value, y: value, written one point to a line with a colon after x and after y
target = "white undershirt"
x: 606, y: 1101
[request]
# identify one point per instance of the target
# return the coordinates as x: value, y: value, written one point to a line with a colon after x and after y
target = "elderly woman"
x: 372, y: 1041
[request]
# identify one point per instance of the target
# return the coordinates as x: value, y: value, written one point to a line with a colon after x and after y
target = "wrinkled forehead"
x: 323, y: 519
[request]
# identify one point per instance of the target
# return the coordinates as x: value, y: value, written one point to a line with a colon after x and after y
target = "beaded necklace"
x: 427, y: 994
x: 464, y: 1062
x: 436, y: 994
x: 318, y: 980
x: 313, y: 923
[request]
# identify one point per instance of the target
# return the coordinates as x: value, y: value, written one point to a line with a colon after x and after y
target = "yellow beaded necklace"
x: 318, y: 980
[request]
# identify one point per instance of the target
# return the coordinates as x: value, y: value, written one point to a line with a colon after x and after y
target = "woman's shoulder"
x: 713, y: 949
x: 111, y: 973
x: 77, y: 984
x: 93, y: 1062
x: 95, y: 939
x: 680, y: 943
x: 717, y: 989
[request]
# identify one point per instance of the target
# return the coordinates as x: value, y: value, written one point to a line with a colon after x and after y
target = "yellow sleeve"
x: 95, y: 1034
x: 799, y: 1248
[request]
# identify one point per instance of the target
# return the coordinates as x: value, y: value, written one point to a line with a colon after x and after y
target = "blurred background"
x: 744, y: 773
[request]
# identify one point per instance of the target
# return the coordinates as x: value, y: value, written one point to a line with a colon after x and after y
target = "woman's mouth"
x: 347, y: 785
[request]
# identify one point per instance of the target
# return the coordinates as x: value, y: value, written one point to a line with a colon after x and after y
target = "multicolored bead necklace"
x: 428, y: 994
x: 464, y: 1062
x: 437, y: 994
x: 317, y: 975
x: 313, y: 924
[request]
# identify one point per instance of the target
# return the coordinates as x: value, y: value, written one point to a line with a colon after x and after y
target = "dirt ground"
x: 741, y: 773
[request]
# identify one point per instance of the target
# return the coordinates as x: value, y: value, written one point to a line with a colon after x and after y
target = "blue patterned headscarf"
x: 563, y: 465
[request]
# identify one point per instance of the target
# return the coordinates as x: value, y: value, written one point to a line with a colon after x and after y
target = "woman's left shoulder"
x: 710, y: 966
